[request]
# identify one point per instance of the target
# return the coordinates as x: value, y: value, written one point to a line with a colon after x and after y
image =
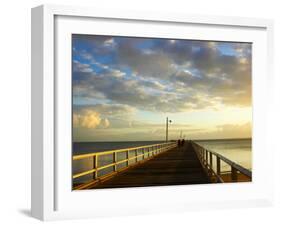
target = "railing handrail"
x: 233, y: 164
x: 236, y: 166
x: 92, y: 154
x: 149, y: 150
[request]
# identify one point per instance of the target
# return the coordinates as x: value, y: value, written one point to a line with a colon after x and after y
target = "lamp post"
x: 167, y: 123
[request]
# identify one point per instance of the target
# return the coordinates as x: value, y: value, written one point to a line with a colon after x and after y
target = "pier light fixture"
x: 167, y: 128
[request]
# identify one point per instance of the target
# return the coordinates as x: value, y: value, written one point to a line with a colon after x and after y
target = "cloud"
x: 141, y: 93
x: 102, y: 116
x: 163, y: 75
x: 99, y: 44
x: 80, y: 67
x: 89, y: 119
x: 126, y: 130
x: 105, y: 123
x: 245, y: 128
x: 156, y: 64
x: 109, y: 42
x: 119, y: 82
x: 106, y: 109
x: 115, y: 117
x: 225, y: 131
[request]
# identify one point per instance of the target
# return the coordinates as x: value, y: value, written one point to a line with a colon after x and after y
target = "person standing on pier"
x: 182, y: 142
x: 179, y: 142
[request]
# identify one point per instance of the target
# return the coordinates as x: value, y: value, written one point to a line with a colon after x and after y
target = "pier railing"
x: 209, y: 159
x: 102, y: 165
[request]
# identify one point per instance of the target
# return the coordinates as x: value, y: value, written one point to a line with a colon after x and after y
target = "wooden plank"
x: 240, y: 178
x: 173, y: 167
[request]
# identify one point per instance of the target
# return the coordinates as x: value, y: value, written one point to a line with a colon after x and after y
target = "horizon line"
x: 244, y: 138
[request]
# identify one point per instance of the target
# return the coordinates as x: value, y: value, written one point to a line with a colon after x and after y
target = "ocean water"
x: 93, y: 147
x: 237, y: 150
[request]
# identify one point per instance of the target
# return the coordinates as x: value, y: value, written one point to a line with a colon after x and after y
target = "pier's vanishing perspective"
x: 170, y: 163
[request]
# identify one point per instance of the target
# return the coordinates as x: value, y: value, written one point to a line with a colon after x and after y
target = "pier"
x: 155, y: 165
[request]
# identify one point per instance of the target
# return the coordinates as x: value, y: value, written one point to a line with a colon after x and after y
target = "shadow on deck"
x: 178, y: 166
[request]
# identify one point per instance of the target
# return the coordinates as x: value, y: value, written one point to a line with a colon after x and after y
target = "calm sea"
x: 90, y: 147
x: 237, y: 150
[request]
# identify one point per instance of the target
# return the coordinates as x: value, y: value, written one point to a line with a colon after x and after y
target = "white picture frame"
x: 51, y: 198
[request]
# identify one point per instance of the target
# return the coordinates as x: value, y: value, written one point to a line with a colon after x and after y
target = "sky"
x: 125, y: 87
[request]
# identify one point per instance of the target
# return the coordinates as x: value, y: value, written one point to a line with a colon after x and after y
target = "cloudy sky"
x: 125, y: 87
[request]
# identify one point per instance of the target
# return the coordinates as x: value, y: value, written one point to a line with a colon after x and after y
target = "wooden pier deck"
x: 177, y: 166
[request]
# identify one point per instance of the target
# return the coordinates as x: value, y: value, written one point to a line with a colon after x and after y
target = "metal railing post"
x: 218, y: 166
x: 206, y: 158
x: 114, y: 161
x: 211, y: 162
x: 96, y: 167
x: 127, y: 157
x: 233, y: 174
